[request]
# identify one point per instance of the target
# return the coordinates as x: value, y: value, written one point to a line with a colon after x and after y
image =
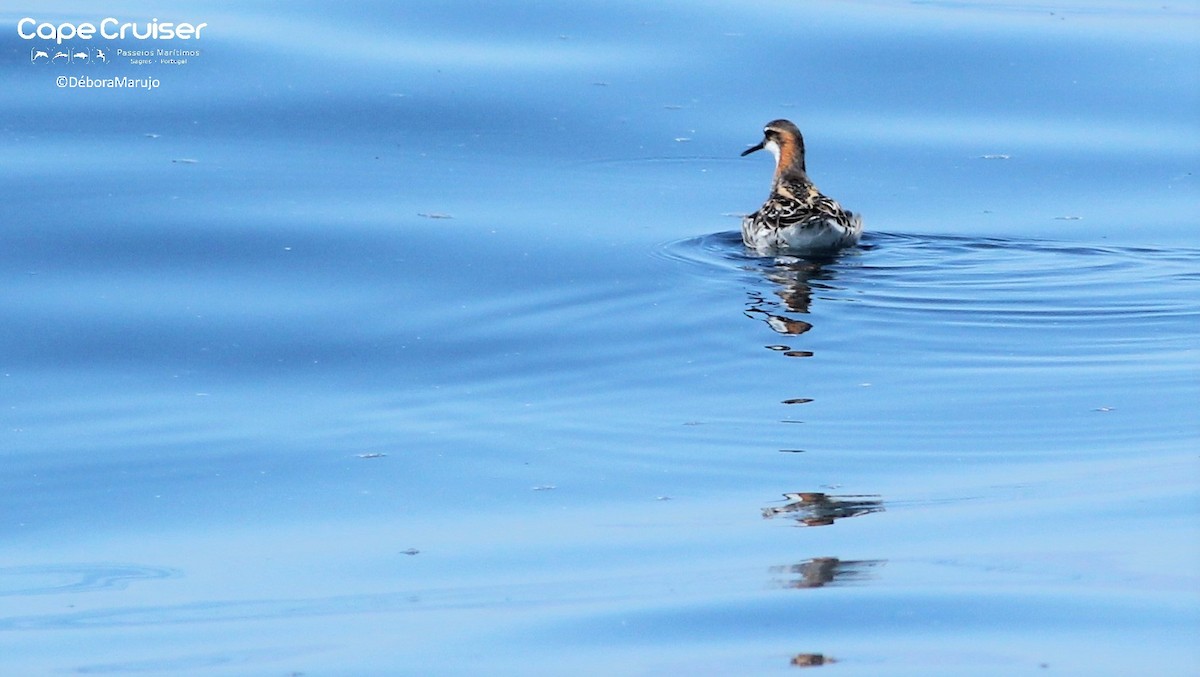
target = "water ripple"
x: 975, y: 282
x: 56, y: 579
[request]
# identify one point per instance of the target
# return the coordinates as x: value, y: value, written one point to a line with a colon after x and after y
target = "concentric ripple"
x: 994, y: 280
x: 972, y: 292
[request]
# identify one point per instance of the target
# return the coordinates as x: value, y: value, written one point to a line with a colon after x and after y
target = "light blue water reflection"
x: 416, y: 339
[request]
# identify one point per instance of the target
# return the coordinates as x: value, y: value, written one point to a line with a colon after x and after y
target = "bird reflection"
x: 811, y: 660
x: 795, y: 279
x: 821, y: 571
x: 815, y: 509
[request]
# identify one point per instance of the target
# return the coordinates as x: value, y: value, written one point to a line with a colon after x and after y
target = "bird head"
x: 785, y: 142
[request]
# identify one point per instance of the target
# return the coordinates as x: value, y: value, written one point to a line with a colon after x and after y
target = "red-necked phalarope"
x: 796, y: 217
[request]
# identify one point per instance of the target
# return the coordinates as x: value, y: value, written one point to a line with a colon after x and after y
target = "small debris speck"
x: 373, y: 454
x: 410, y: 551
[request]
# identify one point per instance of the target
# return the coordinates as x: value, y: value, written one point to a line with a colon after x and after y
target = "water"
x: 417, y: 340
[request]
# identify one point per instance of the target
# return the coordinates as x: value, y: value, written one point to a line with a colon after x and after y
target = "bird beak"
x: 751, y: 149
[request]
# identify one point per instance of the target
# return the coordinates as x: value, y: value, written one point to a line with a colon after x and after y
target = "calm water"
x: 415, y: 338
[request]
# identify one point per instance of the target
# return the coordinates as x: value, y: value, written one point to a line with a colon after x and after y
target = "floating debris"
x: 1104, y: 409
x: 410, y: 551
x: 373, y: 454
x: 151, y: 135
x: 996, y: 156
x: 1068, y: 218
x: 798, y: 400
x: 545, y: 487
x: 682, y: 139
x: 434, y: 215
x: 185, y: 161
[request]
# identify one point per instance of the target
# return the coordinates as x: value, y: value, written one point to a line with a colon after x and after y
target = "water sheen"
x: 417, y: 339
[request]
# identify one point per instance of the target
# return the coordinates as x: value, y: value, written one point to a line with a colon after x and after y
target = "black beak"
x: 751, y: 149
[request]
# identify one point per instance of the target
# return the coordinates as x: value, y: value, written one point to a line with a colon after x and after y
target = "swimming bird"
x: 796, y: 217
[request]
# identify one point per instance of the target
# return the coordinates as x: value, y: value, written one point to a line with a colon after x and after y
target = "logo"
x: 64, y: 43
x: 109, y: 28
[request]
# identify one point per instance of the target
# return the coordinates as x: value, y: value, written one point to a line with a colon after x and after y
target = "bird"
x: 796, y: 218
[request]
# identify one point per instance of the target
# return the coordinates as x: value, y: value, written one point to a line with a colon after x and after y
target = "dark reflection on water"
x: 792, y: 282
x: 819, y: 572
x: 797, y: 277
x: 760, y: 307
x: 811, y: 660
x: 816, y: 509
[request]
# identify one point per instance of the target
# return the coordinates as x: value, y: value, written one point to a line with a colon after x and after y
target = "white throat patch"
x: 772, y: 146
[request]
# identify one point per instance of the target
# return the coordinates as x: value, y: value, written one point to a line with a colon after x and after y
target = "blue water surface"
x: 417, y: 339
